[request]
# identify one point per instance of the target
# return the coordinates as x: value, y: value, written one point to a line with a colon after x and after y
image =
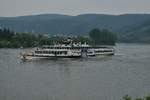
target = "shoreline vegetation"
x: 11, y: 39
x: 127, y: 97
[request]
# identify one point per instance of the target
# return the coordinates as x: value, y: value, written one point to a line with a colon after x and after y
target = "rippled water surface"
x: 100, y: 78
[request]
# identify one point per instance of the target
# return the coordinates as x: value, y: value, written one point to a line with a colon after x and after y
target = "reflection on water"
x: 108, y: 78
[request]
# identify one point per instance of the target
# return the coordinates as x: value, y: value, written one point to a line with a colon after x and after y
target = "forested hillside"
x: 130, y: 27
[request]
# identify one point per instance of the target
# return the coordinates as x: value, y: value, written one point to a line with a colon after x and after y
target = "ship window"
x: 38, y: 52
x: 65, y: 52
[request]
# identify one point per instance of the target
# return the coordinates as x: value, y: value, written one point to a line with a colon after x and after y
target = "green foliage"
x: 138, y: 99
x: 9, y: 39
x: 25, y: 39
x: 127, y: 97
x: 147, y: 98
x: 6, y: 34
x: 131, y: 27
x: 105, y: 37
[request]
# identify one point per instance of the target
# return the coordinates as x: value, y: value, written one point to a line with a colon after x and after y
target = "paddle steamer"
x: 71, y: 50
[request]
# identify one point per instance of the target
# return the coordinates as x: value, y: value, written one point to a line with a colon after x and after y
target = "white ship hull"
x: 31, y: 57
x: 67, y: 52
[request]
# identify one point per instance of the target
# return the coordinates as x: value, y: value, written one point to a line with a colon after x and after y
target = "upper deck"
x: 75, y: 47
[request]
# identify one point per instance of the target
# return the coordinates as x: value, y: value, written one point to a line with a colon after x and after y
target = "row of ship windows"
x: 104, y: 51
x: 51, y: 52
x: 57, y: 48
x: 71, y: 47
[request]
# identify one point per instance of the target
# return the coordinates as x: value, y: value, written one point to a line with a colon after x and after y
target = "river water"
x: 97, y: 78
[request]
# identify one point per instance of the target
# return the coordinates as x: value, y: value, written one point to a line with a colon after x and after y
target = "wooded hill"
x: 129, y: 27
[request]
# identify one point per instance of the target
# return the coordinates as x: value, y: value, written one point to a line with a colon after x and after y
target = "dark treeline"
x: 102, y: 37
x: 127, y: 97
x: 10, y: 39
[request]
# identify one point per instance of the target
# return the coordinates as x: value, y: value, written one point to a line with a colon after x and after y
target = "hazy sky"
x: 72, y: 7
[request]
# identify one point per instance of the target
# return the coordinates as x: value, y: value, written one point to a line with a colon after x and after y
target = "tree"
x: 6, y: 34
x: 104, y: 37
x: 147, y: 98
x: 127, y: 97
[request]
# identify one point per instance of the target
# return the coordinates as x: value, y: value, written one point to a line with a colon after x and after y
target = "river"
x: 96, y: 78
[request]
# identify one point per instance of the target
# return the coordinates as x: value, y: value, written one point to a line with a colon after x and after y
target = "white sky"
x: 72, y: 7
